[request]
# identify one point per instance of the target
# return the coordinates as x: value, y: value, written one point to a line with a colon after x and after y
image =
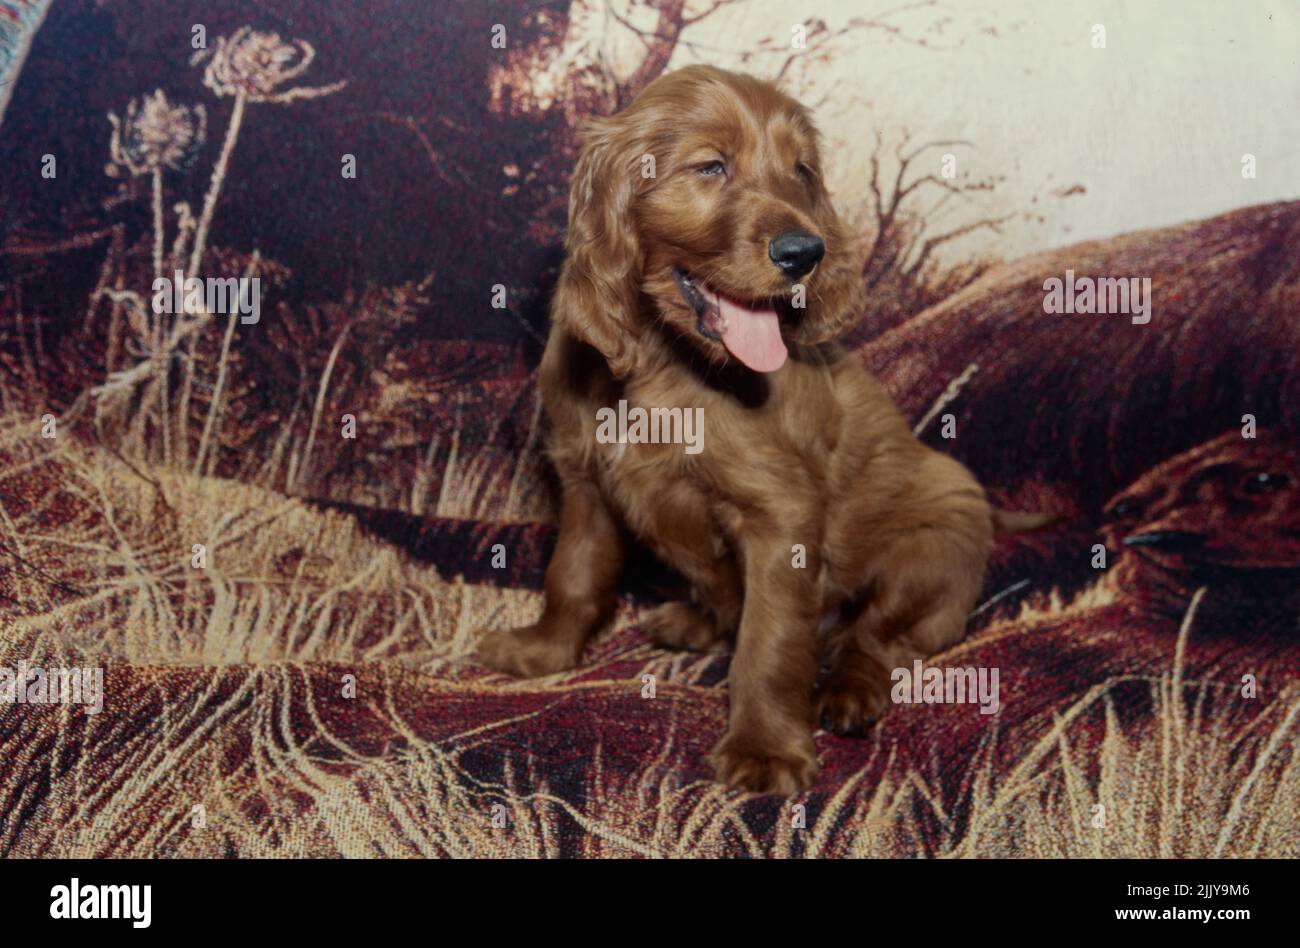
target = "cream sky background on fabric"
x: 1147, y: 132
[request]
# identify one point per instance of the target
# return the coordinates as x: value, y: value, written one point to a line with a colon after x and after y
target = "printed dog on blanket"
x: 707, y: 270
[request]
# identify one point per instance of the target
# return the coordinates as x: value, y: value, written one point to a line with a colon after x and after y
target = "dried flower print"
x: 253, y: 64
x: 156, y: 135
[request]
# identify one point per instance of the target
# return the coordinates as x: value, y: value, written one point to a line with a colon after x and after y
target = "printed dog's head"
x: 1230, y: 504
x: 700, y: 211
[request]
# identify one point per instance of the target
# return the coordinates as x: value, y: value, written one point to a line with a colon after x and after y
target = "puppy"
x: 706, y: 269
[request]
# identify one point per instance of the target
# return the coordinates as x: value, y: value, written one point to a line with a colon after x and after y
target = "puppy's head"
x: 702, y: 207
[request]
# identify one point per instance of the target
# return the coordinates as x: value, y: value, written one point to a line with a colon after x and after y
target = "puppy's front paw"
x: 679, y: 625
x: 746, y: 765
x: 849, y: 704
x: 527, y: 652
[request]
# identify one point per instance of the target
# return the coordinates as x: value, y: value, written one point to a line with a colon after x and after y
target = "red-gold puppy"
x: 707, y: 272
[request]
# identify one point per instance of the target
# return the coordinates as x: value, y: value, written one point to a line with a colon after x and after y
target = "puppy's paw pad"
x: 526, y: 653
x: 758, y: 772
x: 849, y: 706
x: 679, y: 625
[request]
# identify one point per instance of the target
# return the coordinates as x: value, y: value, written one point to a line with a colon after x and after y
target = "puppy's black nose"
x: 796, y: 252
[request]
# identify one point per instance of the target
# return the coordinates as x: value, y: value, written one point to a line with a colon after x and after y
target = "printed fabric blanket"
x: 272, y: 615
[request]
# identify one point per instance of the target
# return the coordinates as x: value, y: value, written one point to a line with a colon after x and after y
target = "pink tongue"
x: 752, y: 335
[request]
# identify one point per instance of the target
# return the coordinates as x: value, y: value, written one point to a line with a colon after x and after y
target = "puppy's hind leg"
x: 683, y: 627
x: 685, y: 536
x: 706, y: 625
x: 918, y: 599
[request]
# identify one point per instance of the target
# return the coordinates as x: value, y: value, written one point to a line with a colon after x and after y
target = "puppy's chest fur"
x: 781, y: 448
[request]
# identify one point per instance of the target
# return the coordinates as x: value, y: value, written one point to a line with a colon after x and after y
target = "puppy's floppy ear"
x: 599, y: 288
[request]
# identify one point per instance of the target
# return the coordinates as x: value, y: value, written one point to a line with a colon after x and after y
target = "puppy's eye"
x: 1263, y: 482
x: 804, y: 171
x: 712, y: 169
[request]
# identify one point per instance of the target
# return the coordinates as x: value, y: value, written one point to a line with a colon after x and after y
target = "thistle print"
x: 156, y: 135
x: 253, y: 65
x: 249, y: 66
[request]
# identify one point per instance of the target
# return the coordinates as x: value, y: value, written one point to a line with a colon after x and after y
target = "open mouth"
x: 750, y: 331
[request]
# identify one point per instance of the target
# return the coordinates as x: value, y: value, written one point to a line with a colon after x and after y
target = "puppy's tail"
x: 1019, y: 521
